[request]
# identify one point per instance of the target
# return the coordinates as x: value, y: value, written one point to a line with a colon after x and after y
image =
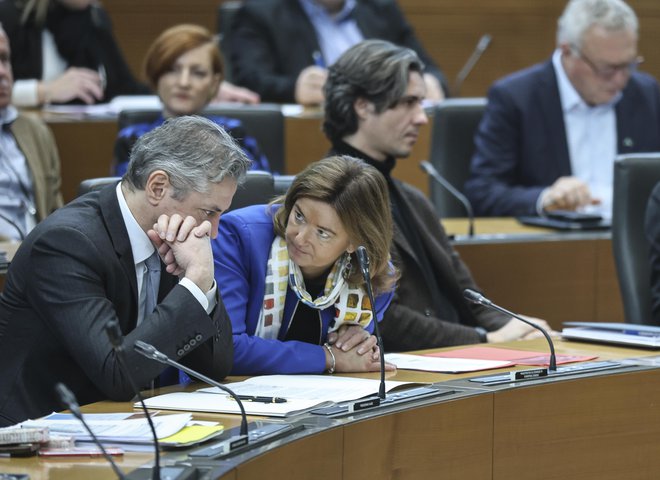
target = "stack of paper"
x: 621, y: 333
x: 301, y: 392
x: 112, y: 427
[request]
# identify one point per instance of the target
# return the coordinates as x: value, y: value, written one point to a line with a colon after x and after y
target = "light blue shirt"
x: 16, y: 187
x: 336, y: 33
x: 591, y: 136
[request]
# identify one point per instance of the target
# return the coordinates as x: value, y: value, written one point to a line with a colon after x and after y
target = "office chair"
x: 263, y: 122
x: 94, y: 184
x: 635, y: 175
x: 455, y: 122
x: 282, y: 183
x: 258, y: 187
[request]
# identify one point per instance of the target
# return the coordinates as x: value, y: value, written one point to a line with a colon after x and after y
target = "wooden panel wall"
x: 523, y: 31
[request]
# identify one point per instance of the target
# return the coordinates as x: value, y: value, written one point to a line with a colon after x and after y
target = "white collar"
x: 141, y: 246
x: 8, y: 115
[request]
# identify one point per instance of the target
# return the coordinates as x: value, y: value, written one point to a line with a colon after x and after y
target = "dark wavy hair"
x: 375, y: 70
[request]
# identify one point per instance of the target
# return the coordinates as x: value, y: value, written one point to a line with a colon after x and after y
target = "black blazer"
x: 72, y: 274
x: 521, y: 146
x: 271, y: 41
x: 412, y: 322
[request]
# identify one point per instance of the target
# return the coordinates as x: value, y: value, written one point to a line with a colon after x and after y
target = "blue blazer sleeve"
x: 240, y: 254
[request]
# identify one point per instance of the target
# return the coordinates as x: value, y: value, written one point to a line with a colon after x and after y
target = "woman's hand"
x: 355, y: 350
x: 347, y: 337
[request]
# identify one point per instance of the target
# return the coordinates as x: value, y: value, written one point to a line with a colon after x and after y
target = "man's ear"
x: 157, y: 187
x: 565, y: 49
x: 363, y: 108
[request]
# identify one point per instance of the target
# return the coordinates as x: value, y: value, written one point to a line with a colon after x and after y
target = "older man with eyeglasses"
x: 551, y: 132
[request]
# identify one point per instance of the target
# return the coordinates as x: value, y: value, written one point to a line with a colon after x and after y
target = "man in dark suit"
x: 281, y: 48
x: 96, y: 260
x: 373, y: 111
x: 550, y: 133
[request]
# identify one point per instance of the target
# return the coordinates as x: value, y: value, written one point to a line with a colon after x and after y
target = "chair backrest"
x: 226, y: 13
x: 259, y: 187
x: 263, y: 122
x: 635, y: 175
x: 93, y: 184
x: 455, y: 122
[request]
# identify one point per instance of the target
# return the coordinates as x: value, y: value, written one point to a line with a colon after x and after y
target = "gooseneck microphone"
x: 363, y: 260
x: 117, y: 339
x: 472, y: 60
x: 150, y: 351
x: 476, y: 297
x: 69, y: 401
x: 433, y: 172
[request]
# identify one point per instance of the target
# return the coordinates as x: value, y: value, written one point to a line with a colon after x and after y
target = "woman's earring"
x: 348, y: 266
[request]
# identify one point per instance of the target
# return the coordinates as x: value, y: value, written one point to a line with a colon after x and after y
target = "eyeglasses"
x: 607, y: 72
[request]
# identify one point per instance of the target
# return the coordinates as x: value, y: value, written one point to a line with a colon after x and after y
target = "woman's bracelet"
x: 332, y: 356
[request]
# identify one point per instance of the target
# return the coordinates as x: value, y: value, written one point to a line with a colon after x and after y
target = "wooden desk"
x: 553, y: 275
x: 600, y: 426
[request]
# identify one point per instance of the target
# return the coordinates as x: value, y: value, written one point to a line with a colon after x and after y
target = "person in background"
x: 66, y: 52
x: 29, y: 162
x: 136, y: 253
x: 551, y: 132
x: 373, y: 111
x: 281, y: 48
x: 290, y: 278
x: 184, y: 67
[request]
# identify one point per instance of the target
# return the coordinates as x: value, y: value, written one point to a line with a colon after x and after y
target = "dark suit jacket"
x: 272, y: 41
x: 411, y: 321
x: 72, y: 274
x: 521, y: 145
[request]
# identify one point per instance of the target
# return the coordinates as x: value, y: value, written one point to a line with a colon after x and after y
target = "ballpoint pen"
x: 251, y: 398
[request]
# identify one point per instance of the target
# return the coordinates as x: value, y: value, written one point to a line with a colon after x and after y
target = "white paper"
x: 113, y: 427
x: 442, y: 364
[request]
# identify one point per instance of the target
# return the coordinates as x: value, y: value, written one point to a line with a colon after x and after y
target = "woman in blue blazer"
x: 289, y: 277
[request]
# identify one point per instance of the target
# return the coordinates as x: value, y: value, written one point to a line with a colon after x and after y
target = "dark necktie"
x: 150, y: 284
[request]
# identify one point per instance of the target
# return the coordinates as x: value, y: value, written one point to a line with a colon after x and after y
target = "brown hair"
x: 173, y: 43
x: 359, y: 195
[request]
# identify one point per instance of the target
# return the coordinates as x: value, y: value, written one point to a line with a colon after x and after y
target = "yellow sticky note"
x: 192, y: 434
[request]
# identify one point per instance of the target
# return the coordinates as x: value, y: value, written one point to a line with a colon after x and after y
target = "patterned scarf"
x: 352, y: 305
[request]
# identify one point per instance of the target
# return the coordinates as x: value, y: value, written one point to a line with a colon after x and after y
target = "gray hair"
x: 580, y: 15
x: 194, y: 152
x: 375, y: 70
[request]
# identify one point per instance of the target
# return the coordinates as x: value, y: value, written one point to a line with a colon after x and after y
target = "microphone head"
x: 474, y: 296
x: 363, y: 260
x: 143, y: 348
x: 484, y: 42
x: 114, y: 333
x: 425, y: 166
x: 67, y: 397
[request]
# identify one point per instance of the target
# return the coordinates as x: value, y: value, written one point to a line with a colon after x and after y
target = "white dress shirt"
x: 591, y: 136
